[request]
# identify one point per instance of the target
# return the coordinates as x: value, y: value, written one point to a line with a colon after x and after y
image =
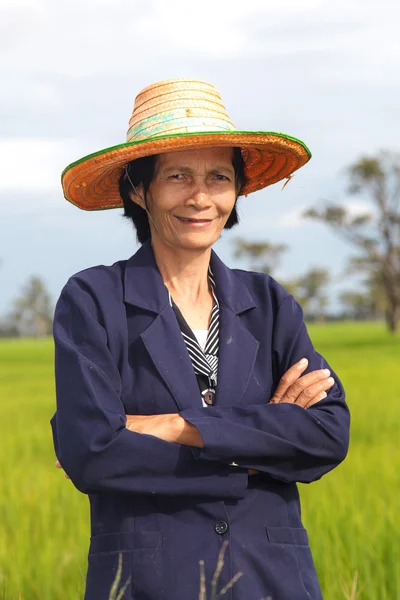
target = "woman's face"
x: 191, y: 197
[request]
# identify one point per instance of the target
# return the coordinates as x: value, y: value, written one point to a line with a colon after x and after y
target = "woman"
x: 189, y: 397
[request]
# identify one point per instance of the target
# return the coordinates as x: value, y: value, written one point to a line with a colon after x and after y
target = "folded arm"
x: 282, y: 439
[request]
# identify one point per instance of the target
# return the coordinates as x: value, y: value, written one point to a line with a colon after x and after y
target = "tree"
x: 310, y: 291
x: 372, y: 285
x: 264, y: 256
x: 357, y: 305
x: 7, y: 330
x: 376, y: 232
x: 32, y: 312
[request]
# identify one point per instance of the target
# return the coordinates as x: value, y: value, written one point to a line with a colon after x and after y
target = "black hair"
x: 141, y: 172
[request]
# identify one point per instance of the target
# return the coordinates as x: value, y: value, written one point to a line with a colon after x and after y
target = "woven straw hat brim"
x: 92, y: 183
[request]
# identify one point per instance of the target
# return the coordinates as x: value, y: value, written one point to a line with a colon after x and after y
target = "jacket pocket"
x: 125, y: 541
x: 295, y: 540
x: 287, y: 535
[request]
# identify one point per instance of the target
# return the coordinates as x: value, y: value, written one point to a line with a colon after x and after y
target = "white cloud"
x: 358, y: 207
x: 295, y: 219
x: 32, y: 165
x: 118, y: 36
x: 292, y: 219
x: 278, y: 223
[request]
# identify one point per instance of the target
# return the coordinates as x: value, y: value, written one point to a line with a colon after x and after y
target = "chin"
x: 197, y: 244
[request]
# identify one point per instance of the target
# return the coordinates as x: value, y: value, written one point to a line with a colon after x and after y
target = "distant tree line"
x: 374, y: 234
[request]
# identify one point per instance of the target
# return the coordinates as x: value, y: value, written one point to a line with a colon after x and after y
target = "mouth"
x: 194, y: 221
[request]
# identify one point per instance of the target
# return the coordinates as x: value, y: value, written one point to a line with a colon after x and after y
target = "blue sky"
x: 324, y: 72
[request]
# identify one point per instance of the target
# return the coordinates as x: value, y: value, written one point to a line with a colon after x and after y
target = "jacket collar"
x: 230, y: 290
x: 144, y: 287
x: 143, y: 284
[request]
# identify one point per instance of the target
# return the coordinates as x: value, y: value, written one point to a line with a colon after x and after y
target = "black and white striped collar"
x: 204, y: 362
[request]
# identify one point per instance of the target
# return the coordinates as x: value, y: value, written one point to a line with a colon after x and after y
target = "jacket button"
x: 221, y: 527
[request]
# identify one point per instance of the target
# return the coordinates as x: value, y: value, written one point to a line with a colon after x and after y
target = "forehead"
x: 186, y: 158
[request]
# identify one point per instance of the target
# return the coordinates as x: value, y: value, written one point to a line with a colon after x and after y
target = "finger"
x: 316, y: 399
x: 313, y: 391
x: 304, y: 383
x: 288, y: 379
x: 252, y: 472
x: 59, y: 466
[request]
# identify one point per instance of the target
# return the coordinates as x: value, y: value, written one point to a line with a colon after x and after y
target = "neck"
x: 185, y: 273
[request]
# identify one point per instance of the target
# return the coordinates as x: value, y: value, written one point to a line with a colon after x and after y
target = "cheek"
x: 163, y: 219
x: 227, y: 206
x: 159, y: 205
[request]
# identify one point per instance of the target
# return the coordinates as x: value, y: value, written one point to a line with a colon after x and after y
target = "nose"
x: 199, y: 198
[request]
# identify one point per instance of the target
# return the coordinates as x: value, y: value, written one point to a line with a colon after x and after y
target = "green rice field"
x: 352, y: 515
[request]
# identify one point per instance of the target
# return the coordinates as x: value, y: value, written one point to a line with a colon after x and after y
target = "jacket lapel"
x: 237, y: 346
x: 237, y: 355
x: 165, y: 344
x: 144, y: 288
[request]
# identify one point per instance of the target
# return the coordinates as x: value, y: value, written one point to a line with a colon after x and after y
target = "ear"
x: 139, y: 197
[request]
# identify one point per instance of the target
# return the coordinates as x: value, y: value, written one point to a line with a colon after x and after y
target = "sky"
x: 324, y: 72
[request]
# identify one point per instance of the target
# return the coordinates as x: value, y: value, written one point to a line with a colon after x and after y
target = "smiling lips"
x: 194, y: 222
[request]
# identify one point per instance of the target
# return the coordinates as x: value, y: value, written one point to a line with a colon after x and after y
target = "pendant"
x: 209, y: 397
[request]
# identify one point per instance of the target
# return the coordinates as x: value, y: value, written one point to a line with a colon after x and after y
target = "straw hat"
x: 173, y: 115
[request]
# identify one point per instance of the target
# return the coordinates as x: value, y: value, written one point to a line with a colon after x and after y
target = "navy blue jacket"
x: 162, y: 506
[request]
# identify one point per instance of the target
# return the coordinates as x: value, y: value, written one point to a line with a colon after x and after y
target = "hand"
x: 168, y: 427
x: 303, y: 390
x: 58, y: 465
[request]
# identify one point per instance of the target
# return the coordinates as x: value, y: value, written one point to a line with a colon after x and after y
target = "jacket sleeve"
x: 91, y: 440
x: 284, y: 440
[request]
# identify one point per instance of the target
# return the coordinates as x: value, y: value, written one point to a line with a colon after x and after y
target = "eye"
x: 220, y: 177
x: 177, y: 176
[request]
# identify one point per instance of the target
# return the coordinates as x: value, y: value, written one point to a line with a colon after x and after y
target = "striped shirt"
x: 205, y: 362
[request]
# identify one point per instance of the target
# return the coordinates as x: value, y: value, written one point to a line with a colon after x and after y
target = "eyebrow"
x: 189, y: 170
